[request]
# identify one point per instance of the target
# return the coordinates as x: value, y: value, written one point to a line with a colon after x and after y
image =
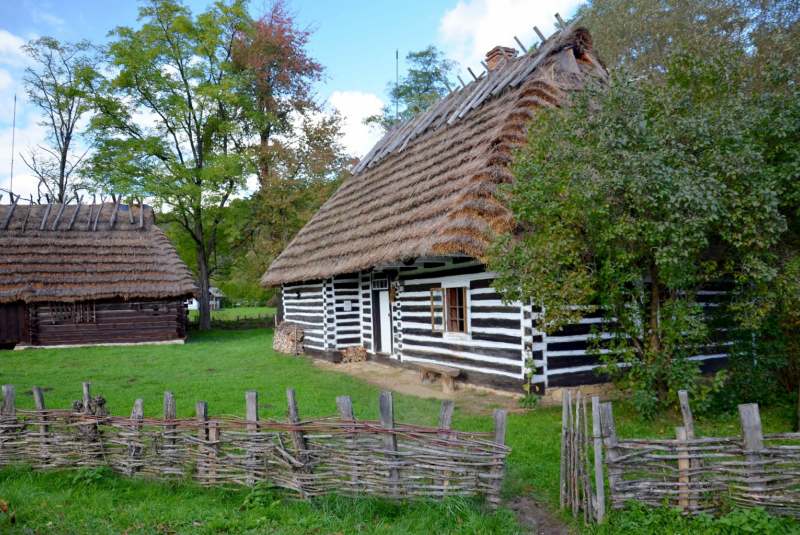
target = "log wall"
x: 304, y: 304
x: 107, y: 322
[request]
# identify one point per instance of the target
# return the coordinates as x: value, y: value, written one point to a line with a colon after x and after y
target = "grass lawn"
x: 218, y: 367
x: 231, y: 313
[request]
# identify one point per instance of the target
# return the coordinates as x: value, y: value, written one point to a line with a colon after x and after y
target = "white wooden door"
x: 385, y: 311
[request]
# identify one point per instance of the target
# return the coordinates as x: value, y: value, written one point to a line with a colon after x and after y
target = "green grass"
x: 231, y: 313
x: 218, y: 367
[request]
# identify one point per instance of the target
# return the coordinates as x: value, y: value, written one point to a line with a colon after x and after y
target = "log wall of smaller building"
x: 107, y: 322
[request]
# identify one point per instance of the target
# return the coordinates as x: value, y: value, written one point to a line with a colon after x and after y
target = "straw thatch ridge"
x: 69, y: 265
x: 428, y: 187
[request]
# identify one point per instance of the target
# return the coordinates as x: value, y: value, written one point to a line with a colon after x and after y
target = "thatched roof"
x: 126, y: 260
x: 428, y: 187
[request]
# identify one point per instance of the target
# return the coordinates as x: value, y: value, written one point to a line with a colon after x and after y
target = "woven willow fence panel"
x: 310, y: 457
x: 697, y: 474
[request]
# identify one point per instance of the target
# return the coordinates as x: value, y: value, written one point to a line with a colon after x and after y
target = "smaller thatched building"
x: 89, y: 274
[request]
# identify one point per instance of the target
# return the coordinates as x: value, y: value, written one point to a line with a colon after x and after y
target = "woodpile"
x: 354, y: 354
x: 288, y: 339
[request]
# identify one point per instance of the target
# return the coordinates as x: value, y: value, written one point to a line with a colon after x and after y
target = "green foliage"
x: 89, y: 476
x: 427, y: 78
x: 637, y: 198
x: 529, y: 401
x: 638, y: 519
x: 262, y: 495
x: 640, y: 35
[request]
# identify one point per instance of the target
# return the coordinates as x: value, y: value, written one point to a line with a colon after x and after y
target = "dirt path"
x: 476, y: 400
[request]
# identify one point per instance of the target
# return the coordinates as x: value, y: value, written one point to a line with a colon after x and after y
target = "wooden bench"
x: 448, y: 374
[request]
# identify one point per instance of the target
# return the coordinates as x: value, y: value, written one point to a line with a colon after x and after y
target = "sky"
x: 355, y: 40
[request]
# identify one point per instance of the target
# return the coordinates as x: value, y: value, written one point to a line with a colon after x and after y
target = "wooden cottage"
x: 89, y: 274
x: 392, y: 262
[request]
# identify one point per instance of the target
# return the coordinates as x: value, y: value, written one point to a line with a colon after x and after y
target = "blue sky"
x: 355, y: 40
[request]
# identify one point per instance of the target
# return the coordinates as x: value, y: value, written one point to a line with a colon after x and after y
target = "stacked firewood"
x: 288, y: 339
x: 354, y: 354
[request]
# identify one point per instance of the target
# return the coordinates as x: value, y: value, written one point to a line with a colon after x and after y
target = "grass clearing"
x: 218, y: 367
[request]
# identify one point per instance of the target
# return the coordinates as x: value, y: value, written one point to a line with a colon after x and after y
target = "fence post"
x: 445, y: 422
x: 386, y: 406
x: 753, y: 441
x: 251, y: 411
x: 137, y: 415
x: 170, y: 413
x: 575, y: 426
x: 201, y: 416
x: 610, y: 442
x: 8, y: 409
x: 345, y: 406
x: 688, y: 423
x: 38, y: 400
x: 294, y: 417
x: 499, y: 437
x: 683, y: 469
x: 599, y: 480
x: 566, y: 399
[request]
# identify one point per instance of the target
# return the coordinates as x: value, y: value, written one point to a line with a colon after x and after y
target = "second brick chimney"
x: 495, y: 55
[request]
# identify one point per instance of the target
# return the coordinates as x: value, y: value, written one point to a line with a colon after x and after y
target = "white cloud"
x: 10, y: 53
x: 472, y: 28
x: 355, y: 106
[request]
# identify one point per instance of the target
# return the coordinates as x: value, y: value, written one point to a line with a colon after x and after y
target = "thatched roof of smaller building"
x: 429, y: 186
x: 66, y: 253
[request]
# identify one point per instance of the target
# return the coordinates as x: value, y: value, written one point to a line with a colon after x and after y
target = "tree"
x: 427, y: 78
x: 640, y: 35
x: 56, y: 84
x: 191, y: 152
x: 637, y: 200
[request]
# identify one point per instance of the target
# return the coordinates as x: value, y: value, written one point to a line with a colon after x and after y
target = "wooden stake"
x: 38, y: 400
x: 345, y: 406
x: 540, y: 34
x: 46, y: 215
x: 87, y: 396
x: 8, y: 409
x: 688, y: 424
x: 752, y: 441
x: 499, y: 437
x: 58, y: 216
x: 11, y: 211
x: 27, y: 214
x: 566, y: 399
x: 683, y: 469
x: 170, y: 413
x: 75, y: 214
x: 293, y: 416
x: 561, y: 22
x: 445, y: 423
x: 472, y: 73
x: 386, y: 405
x: 599, y: 480
x: 524, y: 50
x: 610, y: 442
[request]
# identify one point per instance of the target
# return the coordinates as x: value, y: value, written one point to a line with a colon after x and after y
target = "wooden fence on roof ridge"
x: 697, y: 474
x: 311, y: 457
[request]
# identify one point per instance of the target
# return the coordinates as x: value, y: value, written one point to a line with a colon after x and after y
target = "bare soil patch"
x: 536, y: 517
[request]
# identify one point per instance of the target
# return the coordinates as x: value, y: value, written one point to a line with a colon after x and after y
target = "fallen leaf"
x: 3, y: 506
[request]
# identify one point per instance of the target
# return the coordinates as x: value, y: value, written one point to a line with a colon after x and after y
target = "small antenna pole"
x: 13, y: 135
x: 397, y: 82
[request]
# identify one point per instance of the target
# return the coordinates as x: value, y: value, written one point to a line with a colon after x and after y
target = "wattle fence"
x: 697, y: 474
x: 311, y: 457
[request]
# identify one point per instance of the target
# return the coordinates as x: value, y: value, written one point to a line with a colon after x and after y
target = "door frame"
x: 377, y: 323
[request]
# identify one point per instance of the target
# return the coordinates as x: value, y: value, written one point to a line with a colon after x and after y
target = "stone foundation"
x: 555, y: 396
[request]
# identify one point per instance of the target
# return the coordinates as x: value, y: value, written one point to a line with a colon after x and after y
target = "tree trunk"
x: 204, y: 307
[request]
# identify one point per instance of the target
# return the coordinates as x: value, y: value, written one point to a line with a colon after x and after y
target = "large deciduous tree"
x: 56, y: 83
x: 642, y: 34
x: 427, y: 78
x: 638, y: 201
x: 171, y: 119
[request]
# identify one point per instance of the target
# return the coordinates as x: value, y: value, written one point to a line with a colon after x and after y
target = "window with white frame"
x: 449, y: 310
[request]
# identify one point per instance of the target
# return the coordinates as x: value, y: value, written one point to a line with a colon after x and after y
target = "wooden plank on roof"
x: 46, y: 215
x: 58, y: 216
x: 10, y: 212
x: 75, y: 215
x: 99, y: 210
x: 28, y: 213
x: 114, y: 215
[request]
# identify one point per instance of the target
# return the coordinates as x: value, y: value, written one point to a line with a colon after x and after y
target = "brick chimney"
x: 495, y: 55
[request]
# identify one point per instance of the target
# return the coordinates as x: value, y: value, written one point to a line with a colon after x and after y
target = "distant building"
x: 215, y: 298
x: 73, y: 275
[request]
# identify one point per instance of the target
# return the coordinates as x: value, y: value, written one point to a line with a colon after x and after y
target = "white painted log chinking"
x: 303, y: 305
